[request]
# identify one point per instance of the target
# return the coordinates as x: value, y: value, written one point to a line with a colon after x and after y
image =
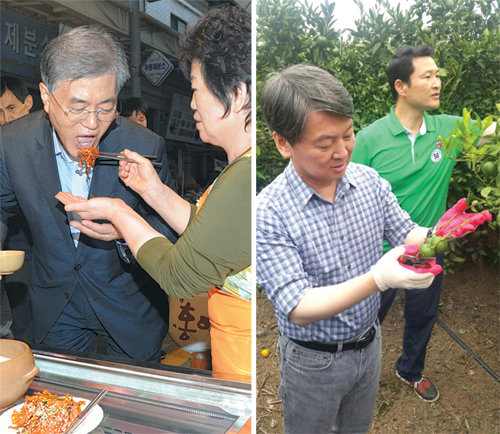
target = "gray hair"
x: 86, y: 51
x: 288, y: 96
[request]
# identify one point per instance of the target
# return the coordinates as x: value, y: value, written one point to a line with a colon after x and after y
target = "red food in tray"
x: 44, y: 413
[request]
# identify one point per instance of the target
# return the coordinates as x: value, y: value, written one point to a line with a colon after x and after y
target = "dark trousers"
x: 421, y: 309
x: 79, y: 329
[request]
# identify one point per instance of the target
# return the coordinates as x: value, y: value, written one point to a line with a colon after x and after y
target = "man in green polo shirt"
x: 405, y: 149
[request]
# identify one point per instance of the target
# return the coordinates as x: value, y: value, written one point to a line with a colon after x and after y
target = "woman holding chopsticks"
x: 213, y: 252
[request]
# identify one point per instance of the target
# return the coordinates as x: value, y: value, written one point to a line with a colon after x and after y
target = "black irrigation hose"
x: 466, y: 348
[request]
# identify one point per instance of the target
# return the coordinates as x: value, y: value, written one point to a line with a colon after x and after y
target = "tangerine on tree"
x: 322, y: 41
x: 489, y: 169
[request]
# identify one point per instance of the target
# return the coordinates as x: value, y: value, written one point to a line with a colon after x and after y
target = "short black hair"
x: 134, y: 104
x: 221, y: 41
x: 401, y: 65
x: 15, y: 85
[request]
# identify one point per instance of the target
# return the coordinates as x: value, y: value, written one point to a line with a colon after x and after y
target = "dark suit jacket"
x: 131, y: 306
x: 19, y: 236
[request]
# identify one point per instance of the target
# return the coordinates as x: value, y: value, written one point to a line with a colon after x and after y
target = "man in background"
x: 137, y: 110
x: 404, y: 148
x: 16, y: 102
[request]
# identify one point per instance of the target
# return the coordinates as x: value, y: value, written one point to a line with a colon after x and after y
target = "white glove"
x: 389, y: 273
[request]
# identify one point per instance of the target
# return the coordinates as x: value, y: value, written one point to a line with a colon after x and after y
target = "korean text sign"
x: 22, y: 42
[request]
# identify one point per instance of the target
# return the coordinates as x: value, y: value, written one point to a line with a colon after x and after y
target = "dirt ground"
x: 470, y: 396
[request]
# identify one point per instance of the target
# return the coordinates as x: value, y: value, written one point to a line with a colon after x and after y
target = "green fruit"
x: 283, y: 34
x: 435, y: 241
x: 441, y: 246
x: 427, y: 251
x: 489, y: 169
x: 322, y: 42
x: 427, y: 30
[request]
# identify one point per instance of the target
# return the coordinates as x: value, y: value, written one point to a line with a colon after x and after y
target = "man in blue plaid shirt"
x: 320, y: 226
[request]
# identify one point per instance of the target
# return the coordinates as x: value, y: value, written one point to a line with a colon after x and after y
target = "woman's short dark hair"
x: 134, y: 104
x: 401, y: 65
x: 16, y: 86
x: 221, y: 41
x: 290, y: 95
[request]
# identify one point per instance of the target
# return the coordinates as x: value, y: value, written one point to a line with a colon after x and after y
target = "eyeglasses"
x: 79, y: 115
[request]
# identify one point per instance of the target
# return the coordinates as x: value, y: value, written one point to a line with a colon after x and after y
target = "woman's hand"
x: 140, y: 175
x: 97, y: 208
x: 101, y: 208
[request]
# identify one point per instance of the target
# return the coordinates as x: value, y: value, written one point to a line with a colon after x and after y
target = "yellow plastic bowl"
x: 11, y: 261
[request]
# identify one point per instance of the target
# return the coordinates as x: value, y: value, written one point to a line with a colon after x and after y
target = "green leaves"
x: 477, y: 177
x: 486, y: 191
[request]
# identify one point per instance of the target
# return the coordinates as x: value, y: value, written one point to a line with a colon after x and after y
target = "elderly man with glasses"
x: 82, y: 289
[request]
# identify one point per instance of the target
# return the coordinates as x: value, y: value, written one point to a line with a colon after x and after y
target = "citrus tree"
x: 476, y: 177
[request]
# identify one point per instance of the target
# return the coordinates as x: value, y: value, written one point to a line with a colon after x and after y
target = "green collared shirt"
x: 418, y: 172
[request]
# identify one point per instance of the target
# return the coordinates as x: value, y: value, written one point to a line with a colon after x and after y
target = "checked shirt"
x: 305, y: 241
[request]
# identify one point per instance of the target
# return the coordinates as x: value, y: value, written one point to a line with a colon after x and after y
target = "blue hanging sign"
x: 21, y: 45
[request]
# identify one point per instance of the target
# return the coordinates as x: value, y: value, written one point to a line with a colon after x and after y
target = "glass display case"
x: 146, y: 398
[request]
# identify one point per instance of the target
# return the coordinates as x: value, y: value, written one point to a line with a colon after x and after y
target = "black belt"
x: 360, y: 343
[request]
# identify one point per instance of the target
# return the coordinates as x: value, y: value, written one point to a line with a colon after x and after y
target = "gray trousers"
x: 329, y: 392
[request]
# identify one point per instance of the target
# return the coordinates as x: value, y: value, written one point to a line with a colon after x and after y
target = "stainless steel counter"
x: 144, y: 400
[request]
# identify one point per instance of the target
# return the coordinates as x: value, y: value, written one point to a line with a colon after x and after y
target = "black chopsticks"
x: 121, y: 157
x: 113, y: 154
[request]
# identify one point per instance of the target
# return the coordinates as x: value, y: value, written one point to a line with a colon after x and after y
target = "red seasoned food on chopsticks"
x: 87, y: 158
x: 44, y: 413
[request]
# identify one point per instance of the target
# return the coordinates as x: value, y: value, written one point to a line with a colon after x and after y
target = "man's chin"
x: 433, y: 106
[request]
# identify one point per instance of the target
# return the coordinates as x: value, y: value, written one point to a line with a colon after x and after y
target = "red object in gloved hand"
x: 414, y: 261
x: 458, y: 222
